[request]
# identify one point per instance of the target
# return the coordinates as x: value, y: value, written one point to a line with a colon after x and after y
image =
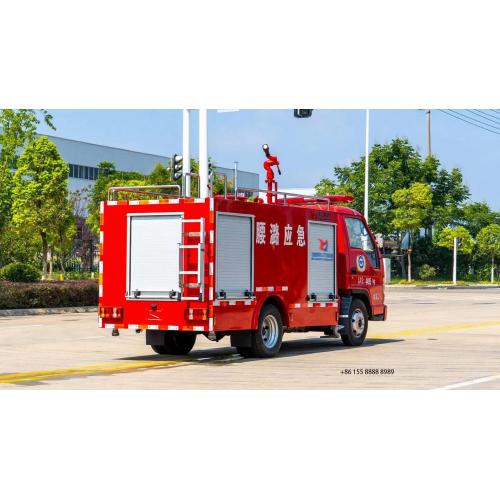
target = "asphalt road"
x: 434, y: 339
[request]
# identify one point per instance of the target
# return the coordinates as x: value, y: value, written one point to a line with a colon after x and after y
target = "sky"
x: 308, y: 149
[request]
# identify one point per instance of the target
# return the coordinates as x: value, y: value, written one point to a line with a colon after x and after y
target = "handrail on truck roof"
x: 138, y: 189
x: 285, y: 195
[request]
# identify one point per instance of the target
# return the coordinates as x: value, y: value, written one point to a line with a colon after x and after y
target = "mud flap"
x: 155, y: 337
x: 241, y: 339
x: 345, y: 306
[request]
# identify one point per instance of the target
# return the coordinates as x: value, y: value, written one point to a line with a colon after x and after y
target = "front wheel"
x: 266, y: 341
x: 357, y: 324
x: 176, y: 343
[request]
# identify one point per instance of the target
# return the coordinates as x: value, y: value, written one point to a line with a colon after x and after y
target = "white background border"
x: 253, y: 444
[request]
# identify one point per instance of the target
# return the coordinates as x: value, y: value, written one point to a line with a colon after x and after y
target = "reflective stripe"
x: 224, y: 302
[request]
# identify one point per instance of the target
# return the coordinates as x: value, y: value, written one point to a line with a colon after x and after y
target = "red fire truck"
x: 236, y: 265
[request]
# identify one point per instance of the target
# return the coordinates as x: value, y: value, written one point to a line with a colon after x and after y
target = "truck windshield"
x: 359, y: 238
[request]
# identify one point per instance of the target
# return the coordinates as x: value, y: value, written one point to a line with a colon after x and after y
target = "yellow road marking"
x: 113, y: 367
x: 436, y: 329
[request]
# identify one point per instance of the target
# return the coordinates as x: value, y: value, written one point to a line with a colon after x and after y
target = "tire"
x: 357, y: 325
x: 176, y: 343
x: 266, y: 341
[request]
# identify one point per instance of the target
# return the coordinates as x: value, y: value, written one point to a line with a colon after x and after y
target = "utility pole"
x: 186, y: 155
x: 367, y: 160
x: 455, y: 245
x: 203, y: 152
x: 428, y: 116
x: 235, y: 186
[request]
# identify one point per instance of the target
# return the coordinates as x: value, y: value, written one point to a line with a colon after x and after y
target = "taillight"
x: 111, y: 312
x: 196, y: 314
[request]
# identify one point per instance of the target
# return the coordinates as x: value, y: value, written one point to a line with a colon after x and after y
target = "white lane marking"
x: 469, y: 382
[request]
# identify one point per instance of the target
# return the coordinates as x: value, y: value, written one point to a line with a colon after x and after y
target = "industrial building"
x: 83, y: 158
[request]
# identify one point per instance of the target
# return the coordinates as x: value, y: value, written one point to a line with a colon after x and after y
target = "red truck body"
x: 187, y: 265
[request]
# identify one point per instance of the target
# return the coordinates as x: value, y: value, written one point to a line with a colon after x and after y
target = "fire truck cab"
x: 247, y: 267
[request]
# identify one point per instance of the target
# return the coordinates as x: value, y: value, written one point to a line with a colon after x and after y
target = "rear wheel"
x: 266, y: 341
x: 357, y: 325
x: 176, y: 343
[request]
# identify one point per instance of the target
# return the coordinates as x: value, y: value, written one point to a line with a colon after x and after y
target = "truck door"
x: 322, y: 261
x: 234, y: 256
x: 153, y: 255
x: 364, y: 263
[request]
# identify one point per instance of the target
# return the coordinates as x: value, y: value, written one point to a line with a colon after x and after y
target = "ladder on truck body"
x: 199, y: 272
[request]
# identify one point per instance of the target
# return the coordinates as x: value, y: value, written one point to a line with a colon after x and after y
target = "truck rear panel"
x: 154, y: 255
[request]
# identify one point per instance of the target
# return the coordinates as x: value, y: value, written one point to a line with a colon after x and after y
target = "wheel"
x: 357, y: 325
x: 176, y: 343
x: 266, y: 341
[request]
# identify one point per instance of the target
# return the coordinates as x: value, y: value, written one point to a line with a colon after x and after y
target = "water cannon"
x: 271, y: 161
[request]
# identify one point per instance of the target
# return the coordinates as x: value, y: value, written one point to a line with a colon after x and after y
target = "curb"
x: 47, y: 310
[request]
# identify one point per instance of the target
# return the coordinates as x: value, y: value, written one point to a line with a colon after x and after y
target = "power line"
x: 495, y: 111
x: 467, y: 121
x: 485, y: 116
x: 473, y: 119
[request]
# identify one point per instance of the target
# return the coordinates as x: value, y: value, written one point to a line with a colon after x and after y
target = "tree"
x: 446, y: 237
x: 477, y: 215
x: 17, y: 129
x: 488, y: 243
x: 63, y: 235
x: 411, y: 207
x: 160, y: 175
x: 398, y: 165
x: 40, y: 192
x: 108, y: 177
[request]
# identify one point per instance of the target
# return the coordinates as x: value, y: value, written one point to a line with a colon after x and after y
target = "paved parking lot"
x: 433, y: 339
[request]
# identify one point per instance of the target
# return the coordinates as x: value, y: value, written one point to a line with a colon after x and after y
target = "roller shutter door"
x: 234, y: 255
x: 153, y: 255
x: 322, y: 255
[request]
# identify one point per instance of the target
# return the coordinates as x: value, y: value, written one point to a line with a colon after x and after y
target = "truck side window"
x: 360, y: 238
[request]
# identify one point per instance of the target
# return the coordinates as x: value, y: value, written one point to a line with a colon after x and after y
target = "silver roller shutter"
x: 234, y: 254
x: 322, y: 260
x: 153, y: 255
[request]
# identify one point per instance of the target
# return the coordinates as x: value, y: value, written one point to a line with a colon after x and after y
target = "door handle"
x: 353, y: 270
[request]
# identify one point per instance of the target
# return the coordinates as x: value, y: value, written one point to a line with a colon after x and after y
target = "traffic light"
x: 177, y: 166
x: 302, y: 113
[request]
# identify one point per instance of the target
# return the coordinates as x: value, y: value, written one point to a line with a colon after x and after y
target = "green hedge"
x: 48, y: 294
x: 20, y: 272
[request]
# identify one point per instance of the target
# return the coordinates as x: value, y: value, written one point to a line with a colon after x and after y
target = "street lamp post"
x: 186, y: 154
x: 203, y: 151
x: 367, y: 162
